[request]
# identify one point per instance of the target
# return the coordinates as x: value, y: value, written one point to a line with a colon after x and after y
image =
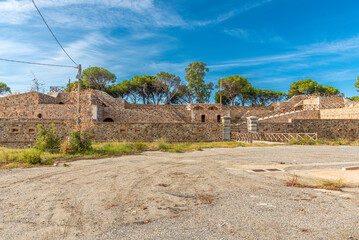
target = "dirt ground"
x: 210, y: 194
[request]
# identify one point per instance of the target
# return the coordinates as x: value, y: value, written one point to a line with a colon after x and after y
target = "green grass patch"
x: 12, y: 158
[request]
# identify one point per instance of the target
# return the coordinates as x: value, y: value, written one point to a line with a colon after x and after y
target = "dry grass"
x: 331, y: 184
x: 336, y: 185
x: 206, y: 199
x: 293, y: 182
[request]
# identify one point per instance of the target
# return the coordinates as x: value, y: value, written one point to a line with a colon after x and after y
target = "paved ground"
x: 199, y: 195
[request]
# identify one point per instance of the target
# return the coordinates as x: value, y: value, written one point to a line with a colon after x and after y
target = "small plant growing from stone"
x: 47, y: 139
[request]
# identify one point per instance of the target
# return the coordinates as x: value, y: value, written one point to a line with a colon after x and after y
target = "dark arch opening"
x: 218, y: 118
x: 108, y: 120
x: 203, y: 118
x: 61, y: 103
x: 39, y: 115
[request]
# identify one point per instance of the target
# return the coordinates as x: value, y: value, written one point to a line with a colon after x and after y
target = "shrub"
x: 163, y: 146
x: 140, y: 146
x: 78, y: 143
x: 31, y: 156
x: 47, y: 139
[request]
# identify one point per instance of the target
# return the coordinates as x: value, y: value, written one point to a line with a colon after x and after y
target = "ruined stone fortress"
x: 117, y: 120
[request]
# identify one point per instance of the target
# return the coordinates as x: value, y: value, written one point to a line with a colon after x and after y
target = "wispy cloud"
x: 126, y: 13
x: 227, y: 15
x: 317, y: 49
x: 257, y: 36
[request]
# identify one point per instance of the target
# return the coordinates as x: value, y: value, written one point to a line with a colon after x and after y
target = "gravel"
x: 199, y: 195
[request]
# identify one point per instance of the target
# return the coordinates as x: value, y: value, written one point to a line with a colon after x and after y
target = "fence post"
x: 226, y: 128
x: 252, y: 124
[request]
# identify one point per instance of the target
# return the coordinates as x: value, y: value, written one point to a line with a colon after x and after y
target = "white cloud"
x: 341, y: 47
x: 256, y: 36
x: 94, y: 14
x: 90, y: 14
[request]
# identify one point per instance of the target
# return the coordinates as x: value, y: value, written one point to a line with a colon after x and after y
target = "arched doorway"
x: 108, y: 120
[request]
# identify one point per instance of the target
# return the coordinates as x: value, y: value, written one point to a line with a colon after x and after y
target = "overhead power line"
x: 33, y: 63
x: 38, y: 10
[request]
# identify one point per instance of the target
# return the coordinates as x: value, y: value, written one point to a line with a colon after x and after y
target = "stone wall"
x: 23, y: 133
x: 208, y: 116
x: 177, y: 132
x: 326, y: 128
x: 141, y: 115
x: 303, y: 114
x: 340, y: 113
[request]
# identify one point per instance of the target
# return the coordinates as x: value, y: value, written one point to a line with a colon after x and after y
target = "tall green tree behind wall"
x: 195, y: 73
x: 308, y: 86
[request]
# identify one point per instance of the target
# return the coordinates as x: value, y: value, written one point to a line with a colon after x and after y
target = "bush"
x: 140, y: 146
x: 32, y: 156
x: 47, y: 139
x: 77, y: 143
x: 163, y: 146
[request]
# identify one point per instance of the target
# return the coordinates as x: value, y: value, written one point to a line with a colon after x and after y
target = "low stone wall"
x: 23, y: 133
x: 326, y: 128
x: 340, y: 113
x: 309, y: 114
x: 177, y: 132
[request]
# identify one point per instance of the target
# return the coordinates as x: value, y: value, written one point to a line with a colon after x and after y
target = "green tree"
x: 4, y: 88
x: 233, y: 87
x: 225, y: 100
x: 195, y: 73
x: 95, y: 78
x: 309, y: 86
x: 330, y: 90
x: 354, y: 98
x: 168, y: 84
x: 264, y: 97
x: 357, y: 84
x: 118, y: 90
x: 183, y: 96
x: 98, y: 78
x: 142, y: 87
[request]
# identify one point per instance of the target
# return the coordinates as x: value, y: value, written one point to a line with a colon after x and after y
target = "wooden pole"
x: 220, y: 92
x: 69, y: 86
x: 79, y: 77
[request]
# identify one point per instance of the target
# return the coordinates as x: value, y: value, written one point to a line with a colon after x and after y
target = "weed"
x: 205, y: 199
x: 293, y: 182
x: 331, y: 184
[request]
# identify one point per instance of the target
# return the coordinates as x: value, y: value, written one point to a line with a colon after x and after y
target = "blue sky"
x: 271, y: 42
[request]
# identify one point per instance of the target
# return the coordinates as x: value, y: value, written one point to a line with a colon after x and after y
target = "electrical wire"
x: 53, y: 33
x: 33, y: 63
